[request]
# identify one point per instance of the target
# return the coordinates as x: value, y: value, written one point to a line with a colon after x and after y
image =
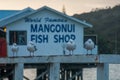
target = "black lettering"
x: 61, y: 38
x: 45, y: 38
x: 33, y: 28
x: 40, y: 39
x: 34, y: 38
x: 40, y: 28
x: 55, y: 38
x: 73, y: 37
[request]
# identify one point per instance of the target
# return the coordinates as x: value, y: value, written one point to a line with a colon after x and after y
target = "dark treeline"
x: 106, y: 24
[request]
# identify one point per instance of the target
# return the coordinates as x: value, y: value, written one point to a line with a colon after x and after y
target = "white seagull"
x: 71, y: 46
x: 31, y: 48
x: 89, y: 45
x: 14, y: 49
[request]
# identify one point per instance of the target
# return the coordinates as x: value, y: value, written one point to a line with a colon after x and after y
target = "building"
x: 49, y: 29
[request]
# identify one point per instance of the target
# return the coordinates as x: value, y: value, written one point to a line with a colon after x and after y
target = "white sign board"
x: 49, y: 32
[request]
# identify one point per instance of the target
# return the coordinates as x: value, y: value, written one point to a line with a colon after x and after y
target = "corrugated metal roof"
x: 16, y: 16
x: 5, y: 13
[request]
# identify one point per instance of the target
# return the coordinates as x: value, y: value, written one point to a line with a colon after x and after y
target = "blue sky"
x: 72, y: 6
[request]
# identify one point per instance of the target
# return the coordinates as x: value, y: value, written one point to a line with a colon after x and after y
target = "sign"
x: 41, y: 28
x: 48, y: 29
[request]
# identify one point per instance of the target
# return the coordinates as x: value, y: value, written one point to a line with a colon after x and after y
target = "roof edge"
x: 67, y: 16
x: 48, y: 8
x: 21, y: 11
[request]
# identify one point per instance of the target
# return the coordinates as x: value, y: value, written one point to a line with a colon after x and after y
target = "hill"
x: 106, y: 24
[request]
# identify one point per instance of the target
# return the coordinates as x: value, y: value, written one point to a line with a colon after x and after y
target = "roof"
x: 14, y: 17
x: 5, y: 13
x: 27, y: 12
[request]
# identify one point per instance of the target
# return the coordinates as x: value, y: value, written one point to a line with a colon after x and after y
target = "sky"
x: 71, y: 6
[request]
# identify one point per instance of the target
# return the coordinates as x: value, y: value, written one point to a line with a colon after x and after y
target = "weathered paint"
x: 103, y: 71
x: 55, y: 61
x: 18, y: 72
x: 47, y: 28
x: 51, y: 46
x: 51, y: 59
x: 64, y: 59
x: 54, y: 71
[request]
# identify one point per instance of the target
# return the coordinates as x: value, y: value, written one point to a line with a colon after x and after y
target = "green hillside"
x: 106, y: 24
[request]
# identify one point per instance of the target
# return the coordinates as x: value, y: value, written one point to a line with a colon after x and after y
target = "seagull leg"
x: 30, y: 53
x: 87, y: 52
x: 33, y: 54
x: 13, y: 54
x: 91, y: 52
x: 72, y: 52
x: 16, y: 54
x: 64, y: 52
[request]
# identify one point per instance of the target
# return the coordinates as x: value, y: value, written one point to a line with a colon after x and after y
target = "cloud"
x: 72, y: 6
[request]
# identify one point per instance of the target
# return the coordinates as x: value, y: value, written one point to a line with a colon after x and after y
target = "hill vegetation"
x: 106, y: 24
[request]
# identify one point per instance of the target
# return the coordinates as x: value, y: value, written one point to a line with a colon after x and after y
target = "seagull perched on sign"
x: 70, y: 46
x: 14, y: 49
x: 31, y: 48
x: 89, y: 45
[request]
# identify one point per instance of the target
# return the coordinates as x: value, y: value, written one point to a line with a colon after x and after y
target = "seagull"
x: 89, y: 45
x: 31, y: 48
x: 14, y: 49
x: 70, y: 46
